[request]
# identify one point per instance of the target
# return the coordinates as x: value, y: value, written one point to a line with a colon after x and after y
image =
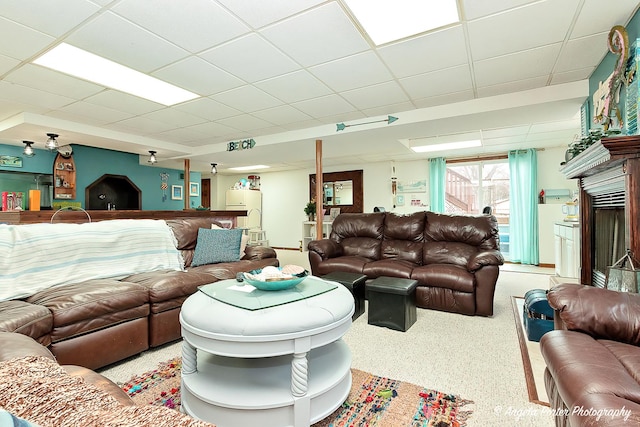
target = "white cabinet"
x: 567, y: 249
x: 249, y: 200
x: 309, y: 232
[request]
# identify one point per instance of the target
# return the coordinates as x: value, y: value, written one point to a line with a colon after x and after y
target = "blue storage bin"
x: 537, y: 314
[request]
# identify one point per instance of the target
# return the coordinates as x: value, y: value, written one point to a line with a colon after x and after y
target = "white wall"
x: 285, y: 194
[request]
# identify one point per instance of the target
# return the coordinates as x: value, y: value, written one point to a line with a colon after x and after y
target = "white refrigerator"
x: 249, y: 200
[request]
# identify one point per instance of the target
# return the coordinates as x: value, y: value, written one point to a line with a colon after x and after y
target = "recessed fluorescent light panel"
x: 248, y: 168
x: 446, y: 146
x: 85, y: 65
x: 386, y: 21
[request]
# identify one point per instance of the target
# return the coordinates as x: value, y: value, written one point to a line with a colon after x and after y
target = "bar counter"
x: 79, y: 216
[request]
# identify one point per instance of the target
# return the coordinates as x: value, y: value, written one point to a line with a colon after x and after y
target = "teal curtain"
x: 437, y: 172
x: 523, y: 207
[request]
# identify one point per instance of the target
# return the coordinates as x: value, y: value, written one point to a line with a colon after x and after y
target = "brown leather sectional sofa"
x: 593, y: 357
x: 454, y: 258
x: 99, y: 322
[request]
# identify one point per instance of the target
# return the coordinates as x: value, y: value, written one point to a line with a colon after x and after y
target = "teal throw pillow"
x: 217, y: 245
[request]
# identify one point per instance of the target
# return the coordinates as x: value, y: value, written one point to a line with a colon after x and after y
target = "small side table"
x: 355, y: 283
x: 392, y: 302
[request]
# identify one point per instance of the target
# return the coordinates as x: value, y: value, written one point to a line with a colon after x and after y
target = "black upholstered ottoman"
x: 392, y: 302
x: 355, y: 283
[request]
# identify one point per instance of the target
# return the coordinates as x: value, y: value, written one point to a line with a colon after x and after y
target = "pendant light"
x: 28, y: 149
x: 152, y: 157
x: 214, y: 170
x: 51, y: 144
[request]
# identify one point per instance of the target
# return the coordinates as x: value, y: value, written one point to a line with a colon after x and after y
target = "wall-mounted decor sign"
x: 241, y: 145
x: 176, y: 192
x: 11, y: 161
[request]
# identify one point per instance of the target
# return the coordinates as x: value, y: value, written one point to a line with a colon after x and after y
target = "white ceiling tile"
x: 581, y: 53
x: 515, y: 86
x: 302, y: 125
x: 376, y: 95
x: 430, y: 52
x: 208, y: 109
x: 24, y: 42
x: 259, y: 13
x: 181, y: 135
x: 352, y: 72
x: 245, y: 122
x: 474, y: 9
x: 7, y: 63
x: 319, y: 35
x: 250, y: 58
x: 27, y: 95
x: 518, y: 66
x: 119, y: 40
x: 52, y: 18
x: 247, y: 99
x: 294, y: 87
x: 519, y: 29
x: 439, y: 82
x: 449, y: 98
x: 174, y: 117
x: 595, y: 17
x: 139, y: 123
x: 556, y: 126
x: 282, y: 115
x: 566, y: 135
x: 125, y: 102
x: 199, y: 26
x: 324, y: 106
x: 572, y: 76
x: 83, y: 112
x: 198, y: 76
x: 504, y: 140
x: 53, y: 81
x: 504, y: 132
x: 212, y: 130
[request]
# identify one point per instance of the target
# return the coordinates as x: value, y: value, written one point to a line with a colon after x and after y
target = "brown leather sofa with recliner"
x: 593, y: 357
x: 98, y: 322
x: 454, y: 258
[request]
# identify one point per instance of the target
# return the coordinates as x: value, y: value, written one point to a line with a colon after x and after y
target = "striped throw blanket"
x: 34, y: 257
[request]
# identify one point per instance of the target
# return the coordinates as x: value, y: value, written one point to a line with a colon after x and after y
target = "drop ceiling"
x: 286, y: 72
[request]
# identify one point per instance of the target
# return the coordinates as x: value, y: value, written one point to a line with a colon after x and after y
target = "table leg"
x: 189, y: 365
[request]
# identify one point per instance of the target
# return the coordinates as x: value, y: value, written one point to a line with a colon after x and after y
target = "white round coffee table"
x: 285, y: 365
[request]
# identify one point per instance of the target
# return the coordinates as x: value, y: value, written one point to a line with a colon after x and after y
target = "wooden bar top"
x: 68, y: 215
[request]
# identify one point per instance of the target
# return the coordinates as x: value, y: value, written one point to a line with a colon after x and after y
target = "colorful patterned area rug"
x: 373, y: 400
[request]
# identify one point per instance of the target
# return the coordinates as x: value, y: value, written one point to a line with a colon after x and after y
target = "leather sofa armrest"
x: 258, y: 252
x: 482, y: 258
x: 601, y: 313
x: 326, y: 248
x: 18, y: 345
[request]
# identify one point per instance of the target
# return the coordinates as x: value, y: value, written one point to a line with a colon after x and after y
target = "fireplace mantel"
x: 609, y: 176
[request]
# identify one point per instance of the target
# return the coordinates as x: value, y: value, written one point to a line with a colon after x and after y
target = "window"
x: 471, y: 186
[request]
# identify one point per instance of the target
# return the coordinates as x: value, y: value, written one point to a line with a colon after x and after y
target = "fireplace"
x: 113, y: 192
x: 609, y: 174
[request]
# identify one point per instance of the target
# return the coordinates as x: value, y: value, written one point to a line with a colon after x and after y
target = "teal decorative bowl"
x: 274, y: 285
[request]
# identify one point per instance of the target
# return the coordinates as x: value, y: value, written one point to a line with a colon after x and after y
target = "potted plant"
x: 310, y: 210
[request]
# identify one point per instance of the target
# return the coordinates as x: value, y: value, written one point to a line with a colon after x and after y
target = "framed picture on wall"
x: 194, y: 189
x: 176, y: 192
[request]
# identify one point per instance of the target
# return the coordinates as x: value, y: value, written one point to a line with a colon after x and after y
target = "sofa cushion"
x: 448, y: 253
x: 92, y: 305
x: 480, y: 231
x: 217, y: 245
x: 389, y: 267
x: 229, y: 270
x: 365, y: 247
x: 348, y: 264
x: 185, y: 231
x: 405, y: 227
x: 32, y: 320
x: 357, y: 225
x: 445, y: 276
x: 402, y: 250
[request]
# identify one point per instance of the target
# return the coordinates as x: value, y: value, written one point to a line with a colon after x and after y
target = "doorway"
x: 205, y: 188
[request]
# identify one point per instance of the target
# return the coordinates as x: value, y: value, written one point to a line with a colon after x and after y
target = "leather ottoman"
x: 355, y: 283
x: 392, y: 302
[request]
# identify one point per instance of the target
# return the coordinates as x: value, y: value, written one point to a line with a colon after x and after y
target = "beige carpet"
x: 475, y: 357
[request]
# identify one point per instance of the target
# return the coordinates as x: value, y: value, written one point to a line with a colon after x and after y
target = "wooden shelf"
x: 64, y: 178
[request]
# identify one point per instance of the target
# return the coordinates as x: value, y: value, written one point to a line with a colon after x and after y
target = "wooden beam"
x: 319, y: 184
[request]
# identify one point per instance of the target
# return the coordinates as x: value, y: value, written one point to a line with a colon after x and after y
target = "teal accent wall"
x: 91, y: 163
x: 605, y: 68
